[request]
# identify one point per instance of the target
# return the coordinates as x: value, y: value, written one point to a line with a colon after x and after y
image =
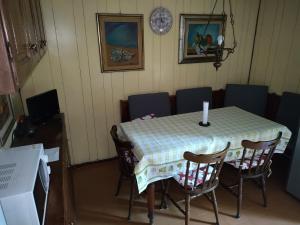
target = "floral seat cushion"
x: 128, y: 159
x: 180, y: 177
x: 246, y: 164
x: 146, y: 117
x: 122, y: 137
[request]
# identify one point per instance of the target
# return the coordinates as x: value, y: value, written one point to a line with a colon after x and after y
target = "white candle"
x: 205, y: 112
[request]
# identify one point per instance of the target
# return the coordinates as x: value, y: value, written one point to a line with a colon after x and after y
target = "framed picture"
x: 6, y: 118
x: 121, y: 42
x: 198, y: 37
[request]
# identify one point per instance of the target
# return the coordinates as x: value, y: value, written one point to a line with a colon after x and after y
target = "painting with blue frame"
x: 121, y: 42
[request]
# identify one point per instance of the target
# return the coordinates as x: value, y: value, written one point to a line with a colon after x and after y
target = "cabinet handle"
x: 10, y: 54
x: 43, y: 43
x: 33, y: 47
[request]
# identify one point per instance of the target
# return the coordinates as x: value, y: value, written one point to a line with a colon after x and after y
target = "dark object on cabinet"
x: 191, y: 100
x: 60, y: 207
x: 23, y: 128
x: 42, y: 107
x: 22, y: 41
x: 252, y: 98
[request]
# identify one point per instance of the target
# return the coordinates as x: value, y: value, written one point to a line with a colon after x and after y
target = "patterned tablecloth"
x: 159, y: 143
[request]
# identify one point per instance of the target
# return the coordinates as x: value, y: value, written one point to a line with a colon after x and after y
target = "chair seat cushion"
x: 128, y: 159
x: 180, y: 177
x: 246, y: 164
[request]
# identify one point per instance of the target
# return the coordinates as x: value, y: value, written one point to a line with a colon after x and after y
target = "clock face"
x: 161, y: 20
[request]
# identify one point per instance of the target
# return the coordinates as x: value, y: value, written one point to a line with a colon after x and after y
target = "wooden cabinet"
x: 23, y: 41
x: 39, y: 26
x: 60, y: 205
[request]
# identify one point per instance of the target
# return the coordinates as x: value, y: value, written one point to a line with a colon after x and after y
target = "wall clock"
x: 161, y: 20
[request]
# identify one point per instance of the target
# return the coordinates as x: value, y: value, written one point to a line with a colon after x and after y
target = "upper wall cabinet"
x: 22, y: 42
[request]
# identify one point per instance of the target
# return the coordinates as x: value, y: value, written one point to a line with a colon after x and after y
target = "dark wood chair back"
x: 257, y: 156
x: 204, y: 165
x: 125, y: 154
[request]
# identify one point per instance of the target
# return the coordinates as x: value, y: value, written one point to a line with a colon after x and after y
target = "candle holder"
x: 204, y: 125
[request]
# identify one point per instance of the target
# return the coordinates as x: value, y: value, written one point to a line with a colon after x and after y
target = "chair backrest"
x: 191, y: 100
x: 252, y: 98
x: 289, y: 113
x: 257, y: 156
x: 205, y: 162
x: 124, y: 151
x: 146, y: 104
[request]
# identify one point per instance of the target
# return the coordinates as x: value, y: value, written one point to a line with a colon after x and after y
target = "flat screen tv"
x: 42, y: 107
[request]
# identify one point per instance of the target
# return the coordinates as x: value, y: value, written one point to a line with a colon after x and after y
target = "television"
x: 24, y: 185
x: 42, y: 107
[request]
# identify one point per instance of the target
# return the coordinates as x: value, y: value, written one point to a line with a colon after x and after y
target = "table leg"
x: 150, y: 201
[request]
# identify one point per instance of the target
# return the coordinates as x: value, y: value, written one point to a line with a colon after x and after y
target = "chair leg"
x: 215, y: 204
x: 131, y: 198
x: 240, y: 197
x: 263, y: 182
x: 165, y: 188
x: 119, y: 185
x: 187, y: 208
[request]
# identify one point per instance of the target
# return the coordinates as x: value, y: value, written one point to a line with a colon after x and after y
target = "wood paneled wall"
x: 90, y: 99
x: 277, y: 47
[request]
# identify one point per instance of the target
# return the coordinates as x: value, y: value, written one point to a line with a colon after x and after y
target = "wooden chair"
x: 201, y: 178
x: 127, y: 163
x: 254, y: 164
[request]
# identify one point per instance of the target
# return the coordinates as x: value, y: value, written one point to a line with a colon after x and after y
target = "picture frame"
x: 6, y: 118
x: 198, y: 37
x: 121, y: 41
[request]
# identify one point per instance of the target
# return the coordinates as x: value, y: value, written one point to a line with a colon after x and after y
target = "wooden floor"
x: 95, y: 185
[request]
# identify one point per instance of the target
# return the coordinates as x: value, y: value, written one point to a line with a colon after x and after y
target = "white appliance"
x: 24, y: 184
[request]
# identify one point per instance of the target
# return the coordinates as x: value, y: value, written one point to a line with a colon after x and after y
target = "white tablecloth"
x: 159, y: 143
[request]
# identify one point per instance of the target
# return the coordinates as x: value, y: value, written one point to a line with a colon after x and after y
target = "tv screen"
x: 43, y: 106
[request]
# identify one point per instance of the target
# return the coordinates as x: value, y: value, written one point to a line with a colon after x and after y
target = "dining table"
x: 159, y: 143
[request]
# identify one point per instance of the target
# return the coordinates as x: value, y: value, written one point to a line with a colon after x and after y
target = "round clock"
x: 161, y: 20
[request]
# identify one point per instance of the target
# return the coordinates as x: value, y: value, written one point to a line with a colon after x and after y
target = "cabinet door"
x: 39, y: 25
x: 7, y: 81
x: 29, y: 14
x: 20, y: 33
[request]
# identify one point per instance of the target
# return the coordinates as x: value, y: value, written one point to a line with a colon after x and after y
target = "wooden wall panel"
x: 90, y: 99
x: 276, y: 52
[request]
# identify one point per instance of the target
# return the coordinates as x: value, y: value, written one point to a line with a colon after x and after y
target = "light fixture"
x: 221, y: 52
